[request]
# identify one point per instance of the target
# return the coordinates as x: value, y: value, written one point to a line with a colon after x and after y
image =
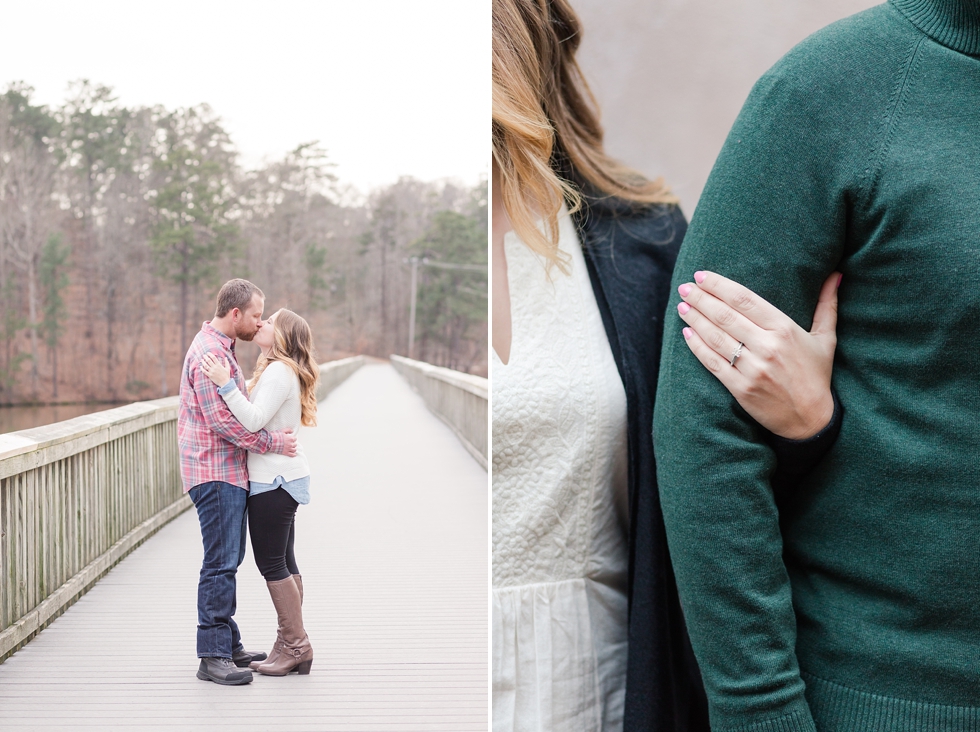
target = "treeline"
x: 118, y: 224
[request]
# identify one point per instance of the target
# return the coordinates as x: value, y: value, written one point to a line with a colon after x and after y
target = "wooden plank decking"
x: 393, y: 550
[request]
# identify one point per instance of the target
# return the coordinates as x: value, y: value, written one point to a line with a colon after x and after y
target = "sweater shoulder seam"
x: 892, y: 114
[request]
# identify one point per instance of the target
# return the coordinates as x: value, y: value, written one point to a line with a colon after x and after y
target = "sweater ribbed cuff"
x: 840, y: 707
x: 798, y: 721
x: 798, y: 457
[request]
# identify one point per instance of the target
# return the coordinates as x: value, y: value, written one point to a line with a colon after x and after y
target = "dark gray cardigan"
x: 630, y: 253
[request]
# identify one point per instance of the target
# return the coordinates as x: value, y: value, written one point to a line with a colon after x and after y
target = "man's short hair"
x: 236, y: 293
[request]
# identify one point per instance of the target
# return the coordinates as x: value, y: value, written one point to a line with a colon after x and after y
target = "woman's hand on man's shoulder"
x: 216, y: 369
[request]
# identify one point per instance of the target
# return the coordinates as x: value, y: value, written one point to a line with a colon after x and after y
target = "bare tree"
x: 155, y: 211
x: 29, y: 210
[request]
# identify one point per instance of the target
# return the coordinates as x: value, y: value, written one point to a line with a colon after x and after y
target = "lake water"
x: 13, y: 419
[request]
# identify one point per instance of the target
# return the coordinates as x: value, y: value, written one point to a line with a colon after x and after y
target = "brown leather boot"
x: 296, y: 653
x: 273, y: 654
x: 277, y: 646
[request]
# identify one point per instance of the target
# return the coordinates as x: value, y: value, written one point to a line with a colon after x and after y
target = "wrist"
x: 815, y: 419
x: 278, y: 442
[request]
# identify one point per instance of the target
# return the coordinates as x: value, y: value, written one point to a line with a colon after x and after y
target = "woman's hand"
x: 218, y: 371
x: 781, y: 376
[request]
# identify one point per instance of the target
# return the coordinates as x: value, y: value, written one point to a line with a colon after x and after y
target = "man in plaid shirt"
x: 213, y: 447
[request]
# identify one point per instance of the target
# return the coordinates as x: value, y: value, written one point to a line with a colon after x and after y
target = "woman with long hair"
x: 583, y: 253
x: 282, y: 395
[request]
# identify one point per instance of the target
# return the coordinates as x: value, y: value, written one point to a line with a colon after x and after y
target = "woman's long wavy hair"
x: 292, y: 343
x: 545, y: 114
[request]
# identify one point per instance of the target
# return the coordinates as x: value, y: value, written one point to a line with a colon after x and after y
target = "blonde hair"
x: 546, y: 120
x: 292, y: 344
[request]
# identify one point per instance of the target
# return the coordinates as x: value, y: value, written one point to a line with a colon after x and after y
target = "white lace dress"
x: 559, y: 506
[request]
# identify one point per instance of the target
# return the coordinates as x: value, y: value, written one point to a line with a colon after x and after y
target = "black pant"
x: 271, y: 524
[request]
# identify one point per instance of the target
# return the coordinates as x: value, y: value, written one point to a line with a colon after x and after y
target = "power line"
x: 446, y: 265
x: 426, y: 262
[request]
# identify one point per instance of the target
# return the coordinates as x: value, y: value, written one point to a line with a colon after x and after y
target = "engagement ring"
x: 737, y: 352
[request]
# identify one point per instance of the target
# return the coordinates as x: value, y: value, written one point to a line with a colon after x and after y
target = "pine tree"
x: 53, y: 275
x: 194, y: 228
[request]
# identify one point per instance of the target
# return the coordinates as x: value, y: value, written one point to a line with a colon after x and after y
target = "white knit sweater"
x: 274, y: 405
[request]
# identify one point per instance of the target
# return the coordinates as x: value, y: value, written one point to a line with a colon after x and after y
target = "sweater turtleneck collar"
x: 953, y: 23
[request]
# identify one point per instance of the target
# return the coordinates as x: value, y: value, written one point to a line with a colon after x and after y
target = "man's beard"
x: 242, y: 336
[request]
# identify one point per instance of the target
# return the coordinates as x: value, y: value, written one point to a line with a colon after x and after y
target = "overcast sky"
x: 388, y: 87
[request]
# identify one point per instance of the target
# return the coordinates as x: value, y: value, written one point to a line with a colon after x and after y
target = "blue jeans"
x: 221, y: 509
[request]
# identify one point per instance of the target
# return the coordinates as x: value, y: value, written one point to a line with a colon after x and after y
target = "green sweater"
x: 851, y: 602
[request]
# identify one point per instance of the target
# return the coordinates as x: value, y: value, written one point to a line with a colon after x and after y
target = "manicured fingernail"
x: 839, y: 278
x: 684, y: 289
x: 683, y: 308
x: 687, y: 333
x: 699, y: 277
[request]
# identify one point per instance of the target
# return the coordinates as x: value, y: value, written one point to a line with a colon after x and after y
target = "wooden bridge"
x: 392, y: 547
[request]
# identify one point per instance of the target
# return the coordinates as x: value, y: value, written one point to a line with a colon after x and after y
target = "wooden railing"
x: 78, y: 496
x: 458, y: 399
x: 334, y: 373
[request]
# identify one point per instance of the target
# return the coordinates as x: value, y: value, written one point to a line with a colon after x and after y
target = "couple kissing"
x: 241, y: 463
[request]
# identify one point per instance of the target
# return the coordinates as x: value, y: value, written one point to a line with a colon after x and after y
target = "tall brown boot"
x: 277, y: 646
x: 296, y: 653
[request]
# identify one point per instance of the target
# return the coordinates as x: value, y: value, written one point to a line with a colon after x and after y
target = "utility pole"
x: 415, y: 262
x: 411, y: 321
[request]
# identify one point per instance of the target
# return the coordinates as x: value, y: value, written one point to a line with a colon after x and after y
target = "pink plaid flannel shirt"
x: 213, y: 444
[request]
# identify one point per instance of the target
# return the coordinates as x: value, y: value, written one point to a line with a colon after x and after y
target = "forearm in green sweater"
x: 774, y: 217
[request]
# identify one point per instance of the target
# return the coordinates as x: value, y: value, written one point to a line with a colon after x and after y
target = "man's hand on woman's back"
x: 289, y: 443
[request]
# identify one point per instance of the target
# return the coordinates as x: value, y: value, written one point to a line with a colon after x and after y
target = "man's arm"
x: 221, y: 421
x: 774, y: 217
